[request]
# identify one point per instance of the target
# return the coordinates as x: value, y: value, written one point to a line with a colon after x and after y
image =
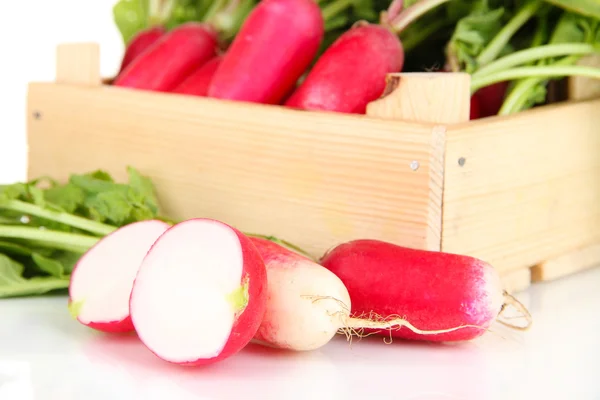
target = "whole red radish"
x: 140, y: 43
x: 200, y: 293
x: 171, y: 59
x: 274, y: 46
x: 351, y: 72
x: 307, y: 304
x: 431, y: 290
x: 102, y: 279
x: 197, y: 83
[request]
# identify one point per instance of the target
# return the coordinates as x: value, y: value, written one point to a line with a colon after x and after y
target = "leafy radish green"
x: 45, y: 226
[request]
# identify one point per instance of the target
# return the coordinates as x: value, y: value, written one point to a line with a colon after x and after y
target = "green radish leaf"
x: 12, y: 283
x: 130, y: 17
x: 67, y: 197
x: 112, y: 206
x: 14, y: 248
x: 68, y: 260
x: 145, y: 188
x: 472, y: 34
x: 48, y: 265
x: 37, y: 196
x: 589, y: 8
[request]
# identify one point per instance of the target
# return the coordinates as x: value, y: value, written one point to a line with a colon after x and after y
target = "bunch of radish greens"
x: 46, y: 226
x: 334, y: 55
x: 198, y: 291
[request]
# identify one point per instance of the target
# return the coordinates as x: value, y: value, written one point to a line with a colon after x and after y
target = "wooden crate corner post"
x: 78, y: 64
x: 435, y: 98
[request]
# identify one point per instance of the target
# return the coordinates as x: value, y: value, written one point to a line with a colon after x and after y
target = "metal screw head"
x: 37, y: 115
x: 462, y: 161
x: 414, y: 165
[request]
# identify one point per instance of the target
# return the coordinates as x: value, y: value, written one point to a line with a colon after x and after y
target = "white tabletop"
x: 45, y: 355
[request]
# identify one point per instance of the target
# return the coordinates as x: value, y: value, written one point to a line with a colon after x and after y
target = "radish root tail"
x: 510, y: 300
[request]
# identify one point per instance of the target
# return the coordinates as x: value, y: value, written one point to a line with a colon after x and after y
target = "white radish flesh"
x: 103, y: 277
x: 200, y: 293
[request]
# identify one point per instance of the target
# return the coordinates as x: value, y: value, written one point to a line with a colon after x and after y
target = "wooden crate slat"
x: 315, y: 179
x: 528, y: 188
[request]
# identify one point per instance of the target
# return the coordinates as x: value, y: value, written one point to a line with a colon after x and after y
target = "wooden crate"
x: 520, y: 192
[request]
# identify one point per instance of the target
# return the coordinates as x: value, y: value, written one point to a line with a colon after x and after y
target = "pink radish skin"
x: 171, y: 59
x: 198, y: 82
x: 275, y: 45
x: 102, y: 279
x: 200, y: 293
x: 433, y: 291
x: 140, y: 43
x: 307, y: 304
x: 351, y: 72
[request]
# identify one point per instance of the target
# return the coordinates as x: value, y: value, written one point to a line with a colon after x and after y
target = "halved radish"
x: 102, y: 279
x: 200, y: 293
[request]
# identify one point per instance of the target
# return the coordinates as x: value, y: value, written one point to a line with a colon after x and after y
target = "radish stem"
x: 503, y: 37
x: 332, y: 9
x: 59, y: 240
x: 56, y: 216
x: 536, y: 53
x: 526, y: 72
x: 517, y: 97
x: 411, y: 13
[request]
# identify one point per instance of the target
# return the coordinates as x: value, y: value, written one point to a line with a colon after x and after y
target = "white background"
x: 29, y: 33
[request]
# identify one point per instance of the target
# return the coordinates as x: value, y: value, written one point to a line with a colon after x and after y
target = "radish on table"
x: 308, y: 304
x: 102, y: 279
x: 200, y: 293
x: 428, y: 290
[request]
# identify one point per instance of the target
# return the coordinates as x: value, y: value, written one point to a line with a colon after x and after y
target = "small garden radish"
x: 171, y: 59
x: 490, y: 98
x: 140, y: 43
x: 200, y: 293
x: 102, y: 279
x: 308, y: 304
x: 431, y: 290
x: 273, y: 48
x: 197, y: 83
x: 351, y: 72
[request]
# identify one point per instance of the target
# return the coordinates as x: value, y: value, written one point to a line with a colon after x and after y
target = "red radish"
x: 431, y: 290
x: 490, y: 98
x: 102, y: 279
x: 307, y: 304
x: 200, y: 293
x: 475, y: 108
x: 171, y: 59
x: 351, y: 72
x: 197, y: 83
x: 273, y: 48
x: 140, y: 42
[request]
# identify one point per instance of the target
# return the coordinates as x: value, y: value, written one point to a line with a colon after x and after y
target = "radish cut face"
x: 199, y: 295
x: 103, y: 277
